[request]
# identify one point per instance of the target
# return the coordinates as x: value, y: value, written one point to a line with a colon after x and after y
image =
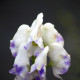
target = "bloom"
x: 40, y: 63
x: 21, y: 63
x: 36, y: 43
x: 20, y: 37
x: 59, y: 57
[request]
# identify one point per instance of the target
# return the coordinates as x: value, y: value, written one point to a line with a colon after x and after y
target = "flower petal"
x: 35, y: 39
x: 52, y: 35
x: 36, y: 31
x: 60, y: 59
x: 32, y: 49
x: 21, y: 63
x: 20, y: 37
x: 41, y: 60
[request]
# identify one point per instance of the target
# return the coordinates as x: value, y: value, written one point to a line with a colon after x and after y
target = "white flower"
x: 35, y: 42
x: 40, y: 63
x: 38, y: 69
x: 41, y: 60
x: 50, y: 34
x: 38, y: 41
x: 21, y: 63
x: 60, y: 59
x: 21, y: 36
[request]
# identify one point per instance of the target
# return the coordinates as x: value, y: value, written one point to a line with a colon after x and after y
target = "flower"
x: 40, y: 63
x: 36, y: 43
x: 20, y: 37
x: 52, y: 34
x: 59, y: 57
x: 21, y: 63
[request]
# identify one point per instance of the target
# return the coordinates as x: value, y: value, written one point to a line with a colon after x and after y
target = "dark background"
x: 64, y: 14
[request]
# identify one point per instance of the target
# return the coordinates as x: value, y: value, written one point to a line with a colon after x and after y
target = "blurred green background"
x: 64, y: 14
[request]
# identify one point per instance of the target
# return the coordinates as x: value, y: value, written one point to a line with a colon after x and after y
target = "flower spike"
x: 31, y: 45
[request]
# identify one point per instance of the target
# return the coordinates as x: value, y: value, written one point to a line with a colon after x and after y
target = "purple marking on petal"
x: 41, y: 71
x: 36, y: 54
x: 12, y: 71
x: 42, y: 48
x: 15, y: 54
x: 67, y: 62
x: 25, y: 47
x: 59, y: 38
x: 65, y: 57
x: 12, y: 44
x: 37, y: 78
x: 16, y: 69
x: 19, y: 69
x: 64, y: 70
x: 36, y: 41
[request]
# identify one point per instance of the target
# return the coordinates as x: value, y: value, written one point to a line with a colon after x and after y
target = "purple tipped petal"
x: 19, y: 70
x: 37, y: 54
x: 12, y: 44
x: 65, y: 57
x: 15, y: 54
x: 64, y: 70
x: 67, y: 62
x: 59, y: 38
x: 16, y: 70
x: 41, y: 71
x: 12, y: 71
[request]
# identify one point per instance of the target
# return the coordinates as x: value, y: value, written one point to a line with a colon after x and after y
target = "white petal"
x: 32, y: 50
x: 22, y: 57
x: 29, y: 49
x: 37, y: 27
x: 52, y: 35
x: 22, y: 60
x: 20, y: 37
x: 38, y: 19
x: 41, y: 60
x: 60, y: 59
x: 36, y: 31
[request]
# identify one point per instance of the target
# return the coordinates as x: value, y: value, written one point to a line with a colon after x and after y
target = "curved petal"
x: 35, y: 34
x: 32, y: 49
x: 60, y: 59
x: 20, y: 37
x: 37, y: 20
x: 52, y: 35
x: 41, y: 60
x: 21, y: 63
x: 35, y: 39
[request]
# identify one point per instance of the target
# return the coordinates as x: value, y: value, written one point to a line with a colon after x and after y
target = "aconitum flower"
x: 36, y: 43
x: 59, y: 57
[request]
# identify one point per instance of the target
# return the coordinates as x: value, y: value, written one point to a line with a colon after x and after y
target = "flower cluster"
x: 36, y: 43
